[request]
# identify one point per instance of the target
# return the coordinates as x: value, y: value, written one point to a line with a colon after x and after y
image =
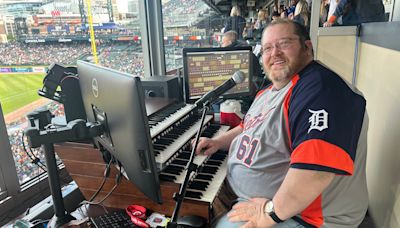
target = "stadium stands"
x: 23, y: 162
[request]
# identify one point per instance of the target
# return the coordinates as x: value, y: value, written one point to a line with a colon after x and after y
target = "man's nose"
x: 275, y: 51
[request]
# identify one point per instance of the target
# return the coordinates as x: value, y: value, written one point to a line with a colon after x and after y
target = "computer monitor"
x: 206, y: 68
x: 116, y: 100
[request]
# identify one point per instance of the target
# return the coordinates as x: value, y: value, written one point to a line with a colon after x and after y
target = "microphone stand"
x: 190, y: 167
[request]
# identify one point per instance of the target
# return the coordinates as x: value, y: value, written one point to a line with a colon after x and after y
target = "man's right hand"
x: 207, y: 146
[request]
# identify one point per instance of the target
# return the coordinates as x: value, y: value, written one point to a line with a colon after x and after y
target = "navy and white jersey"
x: 316, y: 122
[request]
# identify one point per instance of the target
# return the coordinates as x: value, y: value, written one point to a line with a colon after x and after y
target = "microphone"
x: 237, y: 78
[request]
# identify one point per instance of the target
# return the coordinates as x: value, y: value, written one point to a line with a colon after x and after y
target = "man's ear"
x: 308, y: 45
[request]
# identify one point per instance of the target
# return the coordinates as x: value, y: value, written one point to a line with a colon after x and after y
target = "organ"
x: 172, y: 127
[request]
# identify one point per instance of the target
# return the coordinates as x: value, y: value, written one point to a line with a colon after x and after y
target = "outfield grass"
x: 18, y: 90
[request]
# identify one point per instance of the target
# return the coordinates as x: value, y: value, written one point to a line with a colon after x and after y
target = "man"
x: 298, y: 158
x: 230, y: 39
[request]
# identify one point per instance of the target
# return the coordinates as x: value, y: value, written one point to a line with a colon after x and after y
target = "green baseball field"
x: 18, y: 90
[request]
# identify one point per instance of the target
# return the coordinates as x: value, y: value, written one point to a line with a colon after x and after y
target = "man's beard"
x: 280, y: 75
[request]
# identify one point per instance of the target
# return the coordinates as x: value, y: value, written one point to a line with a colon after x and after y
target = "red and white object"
x: 231, y: 113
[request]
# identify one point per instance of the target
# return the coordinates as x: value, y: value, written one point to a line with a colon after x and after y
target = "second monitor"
x: 207, y: 68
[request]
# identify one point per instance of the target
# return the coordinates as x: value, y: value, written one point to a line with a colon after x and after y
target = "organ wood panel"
x: 86, y: 166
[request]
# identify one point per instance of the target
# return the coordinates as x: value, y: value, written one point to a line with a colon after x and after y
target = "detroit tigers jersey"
x: 315, y: 122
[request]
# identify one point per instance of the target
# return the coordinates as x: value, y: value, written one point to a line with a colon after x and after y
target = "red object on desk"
x: 230, y: 113
x: 137, y: 214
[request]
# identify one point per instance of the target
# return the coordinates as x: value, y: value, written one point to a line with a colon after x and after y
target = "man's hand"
x: 207, y: 146
x: 328, y: 24
x: 252, y: 212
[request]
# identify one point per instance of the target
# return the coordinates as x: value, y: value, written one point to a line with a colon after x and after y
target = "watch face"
x: 269, y: 207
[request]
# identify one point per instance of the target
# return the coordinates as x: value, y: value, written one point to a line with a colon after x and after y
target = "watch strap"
x: 275, y: 217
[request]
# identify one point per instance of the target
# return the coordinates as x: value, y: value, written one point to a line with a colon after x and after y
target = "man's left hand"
x: 252, y: 212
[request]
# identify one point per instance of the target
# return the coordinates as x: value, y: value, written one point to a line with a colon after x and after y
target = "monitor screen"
x: 207, y: 68
x: 116, y: 100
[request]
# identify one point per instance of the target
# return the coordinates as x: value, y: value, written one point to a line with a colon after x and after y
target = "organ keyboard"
x: 171, y: 129
x: 161, y: 120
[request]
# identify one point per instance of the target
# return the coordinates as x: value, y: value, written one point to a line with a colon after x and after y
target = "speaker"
x: 162, y: 86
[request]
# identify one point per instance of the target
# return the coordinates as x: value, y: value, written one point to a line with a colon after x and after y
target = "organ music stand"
x: 40, y: 133
x: 190, y: 167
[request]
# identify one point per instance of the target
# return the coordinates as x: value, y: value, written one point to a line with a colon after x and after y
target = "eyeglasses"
x: 282, y: 44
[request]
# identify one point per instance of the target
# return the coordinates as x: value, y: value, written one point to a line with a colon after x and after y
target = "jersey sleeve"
x: 325, y: 118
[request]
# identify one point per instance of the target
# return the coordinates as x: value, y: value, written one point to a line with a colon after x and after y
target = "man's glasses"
x: 282, y: 44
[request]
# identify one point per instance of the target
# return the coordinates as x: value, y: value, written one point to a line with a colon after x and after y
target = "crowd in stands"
x: 17, y: 53
x: 183, y: 12
x: 298, y: 10
x: 332, y: 13
x: 124, y: 57
x: 25, y: 167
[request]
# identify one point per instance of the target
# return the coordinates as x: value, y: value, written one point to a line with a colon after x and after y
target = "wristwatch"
x: 270, y: 210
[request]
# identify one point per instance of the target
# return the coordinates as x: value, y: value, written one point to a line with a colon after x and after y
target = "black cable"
x: 105, y: 175
x: 117, y: 181
x: 35, y: 160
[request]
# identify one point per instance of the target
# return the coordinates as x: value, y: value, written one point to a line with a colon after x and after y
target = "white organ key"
x: 161, y: 126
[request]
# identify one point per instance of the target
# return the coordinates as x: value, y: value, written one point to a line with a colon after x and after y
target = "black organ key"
x: 193, y: 194
x: 184, y: 155
x: 179, y: 162
x: 163, y: 141
x: 213, y: 162
x: 198, y: 185
x: 204, y: 177
x: 171, y: 136
x: 172, y: 170
x: 218, y: 156
x: 166, y: 177
x: 209, y: 169
x: 159, y: 147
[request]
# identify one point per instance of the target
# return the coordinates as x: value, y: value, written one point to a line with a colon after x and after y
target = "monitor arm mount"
x: 70, y: 95
x: 42, y: 133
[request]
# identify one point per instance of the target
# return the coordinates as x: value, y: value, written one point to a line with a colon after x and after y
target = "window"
x: 36, y: 37
x: 349, y: 13
x: 188, y: 23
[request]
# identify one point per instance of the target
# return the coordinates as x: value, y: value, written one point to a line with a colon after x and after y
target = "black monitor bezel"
x: 139, y: 161
x: 186, y: 51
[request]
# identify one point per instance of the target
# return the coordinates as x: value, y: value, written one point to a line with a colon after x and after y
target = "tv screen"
x: 207, y: 68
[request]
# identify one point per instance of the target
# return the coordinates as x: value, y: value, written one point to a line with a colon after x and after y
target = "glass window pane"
x: 19, y: 97
x: 2, y: 185
x: 348, y: 13
x: 37, y: 35
x: 188, y: 23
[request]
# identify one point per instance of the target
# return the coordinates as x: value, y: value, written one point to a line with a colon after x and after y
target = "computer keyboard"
x: 113, y: 219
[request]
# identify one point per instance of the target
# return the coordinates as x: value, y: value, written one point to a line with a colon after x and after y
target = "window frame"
x: 151, y: 26
x: 8, y: 177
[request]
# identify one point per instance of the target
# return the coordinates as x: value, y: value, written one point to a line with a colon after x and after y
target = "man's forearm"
x: 226, y: 139
x: 299, y: 189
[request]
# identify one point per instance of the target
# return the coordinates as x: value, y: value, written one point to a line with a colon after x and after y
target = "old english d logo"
x: 318, y: 120
x: 95, y: 88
